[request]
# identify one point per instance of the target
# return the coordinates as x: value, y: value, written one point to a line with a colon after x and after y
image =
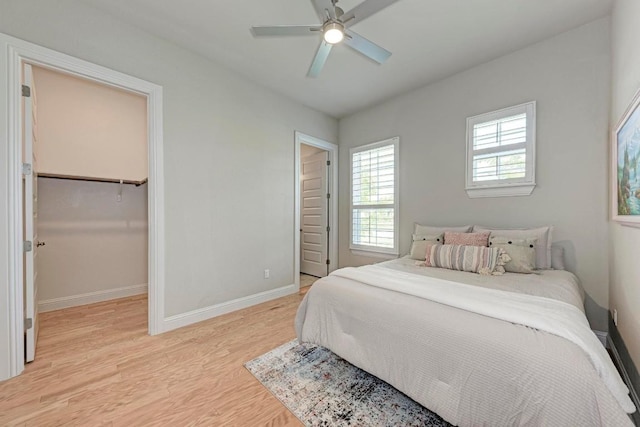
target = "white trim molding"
x: 206, y: 313
x: 15, y: 53
x: 501, y: 191
x: 301, y: 138
x: 90, y: 298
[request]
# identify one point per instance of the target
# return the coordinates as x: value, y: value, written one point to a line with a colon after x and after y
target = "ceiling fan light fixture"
x: 333, y: 32
x: 335, y: 27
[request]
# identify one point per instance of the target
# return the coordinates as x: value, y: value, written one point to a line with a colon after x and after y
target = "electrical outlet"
x: 266, y: 273
x: 615, y: 317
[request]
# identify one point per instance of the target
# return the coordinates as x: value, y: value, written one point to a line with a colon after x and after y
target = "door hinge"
x: 27, y: 246
x: 328, y: 228
x: 328, y: 195
x: 26, y: 169
x: 26, y: 91
x: 328, y: 162
x: 328, y: 262
x: 28, y: 323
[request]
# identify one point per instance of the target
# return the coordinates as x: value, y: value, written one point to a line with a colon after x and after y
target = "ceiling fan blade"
x: 365, y: 47
x: 285, y: 30
x: 365, y: 10
x: 322, y: 7
x: 321, y: 57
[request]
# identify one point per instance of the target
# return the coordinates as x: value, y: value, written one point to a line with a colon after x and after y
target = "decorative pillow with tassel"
x: 521, y: 251
x: 474, y: 259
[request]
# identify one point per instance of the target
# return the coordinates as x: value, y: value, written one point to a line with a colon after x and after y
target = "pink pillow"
x: 467, y: 239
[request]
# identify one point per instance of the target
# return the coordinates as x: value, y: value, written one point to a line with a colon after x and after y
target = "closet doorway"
x: 316, y: 208
x: 18, y: 53
x: 87, y: 146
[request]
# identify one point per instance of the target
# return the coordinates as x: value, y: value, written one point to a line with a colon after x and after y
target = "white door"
x: 314, y: 221
x: 30, y: 186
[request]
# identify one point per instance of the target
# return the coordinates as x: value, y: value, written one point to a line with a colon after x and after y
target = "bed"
x: 478, y: 350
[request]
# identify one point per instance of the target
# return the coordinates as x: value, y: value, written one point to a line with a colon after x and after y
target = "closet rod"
x: 83, y: 178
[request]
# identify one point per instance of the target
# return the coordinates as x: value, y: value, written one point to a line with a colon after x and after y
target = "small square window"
x: 501, y: 152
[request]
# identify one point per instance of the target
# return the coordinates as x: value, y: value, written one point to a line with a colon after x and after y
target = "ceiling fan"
x: 334, y: 30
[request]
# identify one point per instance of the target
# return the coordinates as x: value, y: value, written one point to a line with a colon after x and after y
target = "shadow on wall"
x: 570, y: 264
x: 569, y: 254
x: 593, y: 307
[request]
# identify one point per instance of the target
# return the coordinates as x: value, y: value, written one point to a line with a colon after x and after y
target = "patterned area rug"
x: 322, y: 389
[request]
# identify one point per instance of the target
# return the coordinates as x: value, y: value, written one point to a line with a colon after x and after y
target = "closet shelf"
x: 85, y: 178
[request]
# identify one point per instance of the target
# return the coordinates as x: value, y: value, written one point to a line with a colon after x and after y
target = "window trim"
x: 367, y: 249
x: 504, y: 188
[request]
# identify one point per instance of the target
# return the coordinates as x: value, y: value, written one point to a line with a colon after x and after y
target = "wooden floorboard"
x: 96, y: 366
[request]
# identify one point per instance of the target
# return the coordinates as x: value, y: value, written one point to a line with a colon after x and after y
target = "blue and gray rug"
x: 322, y: 389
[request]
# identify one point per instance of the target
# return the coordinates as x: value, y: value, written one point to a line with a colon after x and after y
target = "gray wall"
x: 93, y: 242
x: 568, y: 76
x: 625, y: 241
x: 229, y: 156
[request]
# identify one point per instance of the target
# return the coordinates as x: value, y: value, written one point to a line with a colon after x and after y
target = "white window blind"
x: 500, y: 152
x: 374, y: 197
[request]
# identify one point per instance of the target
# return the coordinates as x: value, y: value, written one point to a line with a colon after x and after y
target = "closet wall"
x: 95, y: 233
x: 89, y: 129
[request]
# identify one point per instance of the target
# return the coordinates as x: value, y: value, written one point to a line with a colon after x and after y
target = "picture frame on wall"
x: 625, y: 167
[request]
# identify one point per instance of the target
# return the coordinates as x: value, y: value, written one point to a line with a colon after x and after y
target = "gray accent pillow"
x: 541, y: 234
x: 521, y: 251
x: 420, y: 243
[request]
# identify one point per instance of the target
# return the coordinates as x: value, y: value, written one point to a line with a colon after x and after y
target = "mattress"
x: 472, y: 369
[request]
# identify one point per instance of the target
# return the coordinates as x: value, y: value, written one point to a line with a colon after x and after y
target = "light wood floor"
x: 307, y: 280
x: 96, y: 366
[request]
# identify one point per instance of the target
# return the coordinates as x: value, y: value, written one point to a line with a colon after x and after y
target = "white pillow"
x: 427, y: 230
x: 542, y: 236
x: 557, y: 258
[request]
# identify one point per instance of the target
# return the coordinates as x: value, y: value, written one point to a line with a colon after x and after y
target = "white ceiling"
x: 430, y: 39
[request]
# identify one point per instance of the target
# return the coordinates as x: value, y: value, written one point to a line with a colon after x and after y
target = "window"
x: 501, y: 152
x: 374, y: 197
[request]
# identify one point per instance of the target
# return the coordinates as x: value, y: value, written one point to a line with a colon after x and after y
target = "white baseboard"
x: 195, y: 316
x: 602, y: 336
x: 90, y: 298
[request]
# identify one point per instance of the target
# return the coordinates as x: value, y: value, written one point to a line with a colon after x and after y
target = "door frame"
x: 301, y: 138
x: 16, y: 53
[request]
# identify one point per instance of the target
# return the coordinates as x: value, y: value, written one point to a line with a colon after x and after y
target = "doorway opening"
x: 85, y: 197
x: 316, y: 209
x: 18, y: 53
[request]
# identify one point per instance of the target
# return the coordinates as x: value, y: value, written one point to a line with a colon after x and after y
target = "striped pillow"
x: 474, y: 259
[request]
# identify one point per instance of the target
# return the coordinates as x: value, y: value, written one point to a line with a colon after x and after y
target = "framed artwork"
x: 625, y: 167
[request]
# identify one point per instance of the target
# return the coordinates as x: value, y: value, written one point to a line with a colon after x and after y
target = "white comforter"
x: 474, y: 355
